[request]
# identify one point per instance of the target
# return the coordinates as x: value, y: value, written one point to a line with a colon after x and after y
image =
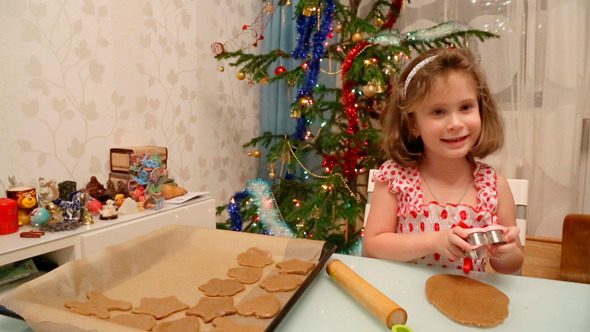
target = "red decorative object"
x: 8, y: 216
x: 280, y: 69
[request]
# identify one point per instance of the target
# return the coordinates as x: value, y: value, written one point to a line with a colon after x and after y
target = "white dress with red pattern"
x: 415, y: 217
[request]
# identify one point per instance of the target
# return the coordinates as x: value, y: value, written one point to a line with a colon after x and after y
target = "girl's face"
x: 448, y: 118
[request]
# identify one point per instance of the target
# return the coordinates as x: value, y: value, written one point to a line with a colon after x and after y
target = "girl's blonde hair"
x: 397, y: 119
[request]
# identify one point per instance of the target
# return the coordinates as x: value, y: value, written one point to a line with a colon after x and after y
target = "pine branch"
x: 257, y: 65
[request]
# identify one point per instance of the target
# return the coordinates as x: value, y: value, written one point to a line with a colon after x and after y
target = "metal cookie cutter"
x: 479, y: 237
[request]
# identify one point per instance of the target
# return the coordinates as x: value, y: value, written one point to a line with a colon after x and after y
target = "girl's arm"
x: 507, y: 257
x: 381, y: 240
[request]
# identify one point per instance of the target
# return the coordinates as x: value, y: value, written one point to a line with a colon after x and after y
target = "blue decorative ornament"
x: 40, y: 216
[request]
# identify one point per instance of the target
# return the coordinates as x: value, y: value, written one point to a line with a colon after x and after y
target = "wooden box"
x: 121, y: 158
x: 120, y: 177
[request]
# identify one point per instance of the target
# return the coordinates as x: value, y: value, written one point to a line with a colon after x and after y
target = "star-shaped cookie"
x: 210, y: 308
x: 160, y: 307
x: 98, y: 305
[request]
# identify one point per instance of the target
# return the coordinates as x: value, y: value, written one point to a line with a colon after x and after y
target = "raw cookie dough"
x: 186, y: 324
x: 160, y: 307
x: 222, y: 287
x: 255, y: 257
x: 98, y: 305
x: 295, y: 266
x: 467, y: 301
x: 225, y: 325
x: 210, y: 308
x: 281, y: 283
x: 265, y: 306
x: 139, y: 321
x: 245, y: 275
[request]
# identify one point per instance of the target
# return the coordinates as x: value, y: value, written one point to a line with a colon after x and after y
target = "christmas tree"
x: 337, y: 124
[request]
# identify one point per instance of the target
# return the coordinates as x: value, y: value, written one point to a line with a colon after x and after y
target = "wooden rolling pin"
x: 382, y: 307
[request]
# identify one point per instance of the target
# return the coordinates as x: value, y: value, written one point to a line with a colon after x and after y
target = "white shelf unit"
x: 64, y: 246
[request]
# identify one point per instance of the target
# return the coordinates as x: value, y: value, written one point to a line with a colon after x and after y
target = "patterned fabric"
x: 415, y: 217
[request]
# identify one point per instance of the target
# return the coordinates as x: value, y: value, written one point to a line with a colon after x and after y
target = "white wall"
x: 80, y: 77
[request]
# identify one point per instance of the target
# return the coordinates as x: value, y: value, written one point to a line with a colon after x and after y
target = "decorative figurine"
x: 56, y: 213
x: 66, y: 188
x: 122, y: 188
x: 95, y: 188
x: 14, y: 182
x: 72, y: 209
x: 47, y: 192
x: 109, y: 211
x: 111, y: 191
x: 119, y: 198
x: 26, y: 198
x: 87, y: 216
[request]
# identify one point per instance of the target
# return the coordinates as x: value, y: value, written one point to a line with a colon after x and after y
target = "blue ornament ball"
x: 40, y: 216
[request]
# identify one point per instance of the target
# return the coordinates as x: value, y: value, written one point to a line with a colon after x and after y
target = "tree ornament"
x: 264, y: 80
x: 240, y: 75
x: 296, y: 113
x: 357, y: 37
x: 308, y: 11
x: 221, y: 69
x: 256, y: 153
x: 271, y: 175
x: 288, y: 3
x: 280, y: 69
x: 369, y: 90
x: 378, y: 22
x: 338, y: 28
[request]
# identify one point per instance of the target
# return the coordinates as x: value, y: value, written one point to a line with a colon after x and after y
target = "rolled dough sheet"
x: 467, y: 301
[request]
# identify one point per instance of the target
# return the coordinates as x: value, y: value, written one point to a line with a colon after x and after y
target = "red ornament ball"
x: 280, y: 69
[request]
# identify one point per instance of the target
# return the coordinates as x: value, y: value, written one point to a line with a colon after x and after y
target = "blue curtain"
x: 275, y: 111
x: 275, y: 114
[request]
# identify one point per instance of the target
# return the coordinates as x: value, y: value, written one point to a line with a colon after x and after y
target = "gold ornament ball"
x: 378, y: 22
x: 357, y: 37
x: 240, y: 75
x: 272, y: 175
x: 264, y: 80
x: 288, y: 3
x: 338, y: 28
x: 221, y: 69
x: 307, y: 12
x: 256, y: 153
x: 369, y: 90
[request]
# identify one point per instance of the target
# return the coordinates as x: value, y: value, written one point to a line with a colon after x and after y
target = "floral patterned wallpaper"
x: 80, y: 77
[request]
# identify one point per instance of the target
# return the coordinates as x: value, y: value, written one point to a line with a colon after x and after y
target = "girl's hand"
x: 452, y: 244
x: 503, y: 251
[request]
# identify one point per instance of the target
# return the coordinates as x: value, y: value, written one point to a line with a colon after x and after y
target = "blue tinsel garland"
x: 234, y: 210
x: 305, y: 25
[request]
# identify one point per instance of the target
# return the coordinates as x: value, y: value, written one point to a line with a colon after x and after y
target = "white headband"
x: 415, y: 70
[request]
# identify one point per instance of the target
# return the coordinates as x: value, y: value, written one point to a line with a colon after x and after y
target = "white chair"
x: 520, y: 192
x: 370, y: 188
x: 519, y: 188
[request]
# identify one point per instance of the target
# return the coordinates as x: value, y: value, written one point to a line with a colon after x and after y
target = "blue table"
x: 535, y: 304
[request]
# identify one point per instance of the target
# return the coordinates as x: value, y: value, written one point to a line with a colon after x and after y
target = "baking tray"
x: 173, y: 260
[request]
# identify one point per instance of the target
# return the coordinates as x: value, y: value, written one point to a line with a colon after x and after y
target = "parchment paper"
x: 174, y: 260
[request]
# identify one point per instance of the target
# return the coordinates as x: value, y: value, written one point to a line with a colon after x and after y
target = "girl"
x: 440, y: 118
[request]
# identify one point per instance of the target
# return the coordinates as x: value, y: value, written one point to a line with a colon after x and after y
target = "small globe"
x: 40, y: 216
